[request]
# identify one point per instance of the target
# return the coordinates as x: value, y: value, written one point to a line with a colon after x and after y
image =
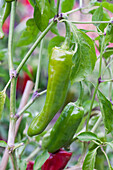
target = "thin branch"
x: 31, y: 101
x: 96, y: 88
x: 58, y: 5
x: 90, y: 22
x: 11, y: 33
x: 97, y: 124
x: 34, y: 46
x: 33, y: 154
x: 38, y: 68
x: 23, y: 102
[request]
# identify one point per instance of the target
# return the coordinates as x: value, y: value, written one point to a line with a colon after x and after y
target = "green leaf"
x: 39, y: 161
x: 98, y: 15
x: 30, y: 33
x: 42, y: 14
x: 3, y: 143
x: 107, y: 5
x: 53, y: 10
x: 32, y: 2
x: 56, y: 41
x: 85, y: 57
x: 2, y: 101
x: 107, y: 112
x: 109, y: 33
x: 2, y: 10
x: 5, y: 9
x: 54, y: 30
x: 89, y: 161
x: 3, y: 53
x: 67, y: 5
x: 108, y: 52
x: 87, y: 136
x: 105, y: 18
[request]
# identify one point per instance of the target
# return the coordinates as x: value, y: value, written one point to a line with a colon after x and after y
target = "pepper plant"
x: 83, y: 132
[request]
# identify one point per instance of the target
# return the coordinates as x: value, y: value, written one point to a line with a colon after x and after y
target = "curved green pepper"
x: 58, y: 72
x: 64, y: 128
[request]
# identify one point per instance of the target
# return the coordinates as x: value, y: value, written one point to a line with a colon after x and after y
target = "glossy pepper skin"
x: 64, y: 128
x: 57, y: 161
x: 58, y: 72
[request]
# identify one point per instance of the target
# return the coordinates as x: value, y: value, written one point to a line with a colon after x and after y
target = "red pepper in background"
x: 30, y: 165
x: 57, y: 161
x: 21, y: 81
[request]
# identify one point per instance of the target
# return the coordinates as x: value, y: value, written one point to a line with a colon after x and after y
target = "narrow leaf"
x: 89, y: 161
x: 32, y: 2
x: 30, y: 33
x: 39, y: 161
x: 108, y: 52
x: 42, y: 14
x: 98, y: 15
x: 85, y: 57
x: 107, y: 112
x: 87, y: 136
x: 3, y: 143
x: 53, y: 10
x: 107, y: 5
x: 106, y: 17
x: 2, y: 101
x: 67, y: 5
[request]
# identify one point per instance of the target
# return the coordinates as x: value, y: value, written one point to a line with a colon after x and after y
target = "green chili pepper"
x: 64, y: 128
x: 59, y: 72
x: 60, y: 63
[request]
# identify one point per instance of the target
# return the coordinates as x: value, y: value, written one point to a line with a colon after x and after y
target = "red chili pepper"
x: 21, y: 81
x: 57, y: 161
x: 30, y: 165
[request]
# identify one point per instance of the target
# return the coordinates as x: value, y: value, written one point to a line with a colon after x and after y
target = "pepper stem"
x: 66, y: 44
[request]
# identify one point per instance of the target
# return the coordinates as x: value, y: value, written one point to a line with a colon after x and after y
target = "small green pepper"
x: 64, y: 128
x: 59, y: 72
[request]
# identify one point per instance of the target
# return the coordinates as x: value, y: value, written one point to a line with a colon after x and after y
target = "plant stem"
x: 34, y: 46
x: 38, y: 68
x: 58, y: 5
x: 75, y: 10
x: 96, y: 88
x: 33, y: 154
x: 96, y: 124
x: 111, y: 80
x: 13, y: 81
x: 80, y: 4
x: 31, y: 101
x: 90, y: 22
x: 13, y: 159
x: 23, y: 102
x: 11, y: 33
x: 110, y: 167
